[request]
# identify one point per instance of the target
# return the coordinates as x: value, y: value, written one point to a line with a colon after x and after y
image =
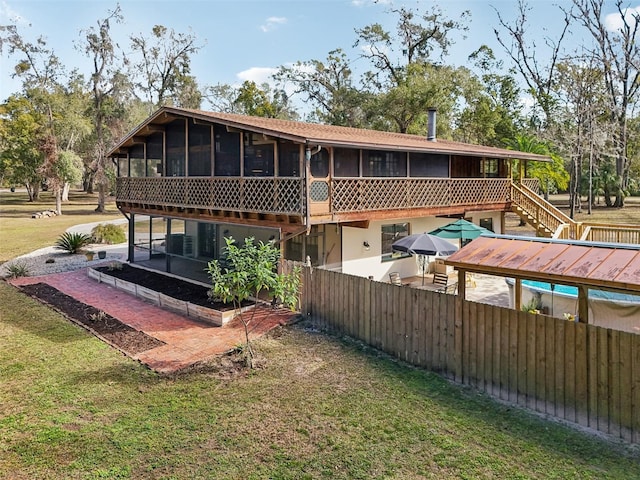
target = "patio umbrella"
x: 460, y: 229
x: 424, y: 244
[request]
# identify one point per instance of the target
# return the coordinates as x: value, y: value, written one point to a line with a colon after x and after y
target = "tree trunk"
x: 58, y: 195
x: 65, y: 192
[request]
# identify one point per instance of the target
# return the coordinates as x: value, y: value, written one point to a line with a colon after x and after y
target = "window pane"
x: 288, y: 159
x: 428, y: 165
x: 227, y: 152
x: 175, y: 149
x: 154, y: 154
x: 199, y: 150
x: 390, y: 234
x: 258, y: 158
x: 136, y: 161
x: 123, y: 167
x: 320, y: 164
x: 346, y: 162
x: 378, y: 163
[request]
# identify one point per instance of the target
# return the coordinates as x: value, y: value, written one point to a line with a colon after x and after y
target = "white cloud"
x: 273, y: 22
x: 614, y: 21
x: 259, y: 75
x: 9, y: 15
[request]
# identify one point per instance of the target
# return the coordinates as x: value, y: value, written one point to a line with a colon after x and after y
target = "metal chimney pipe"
x: 431, y: 124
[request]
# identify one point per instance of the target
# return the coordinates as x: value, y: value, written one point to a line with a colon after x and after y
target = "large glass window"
x: 320, y: 164
x: 288, y: 159
x: 428, y: 165
x: 136, y: 161
x: 199, y: 150
x: 123, y: 167
x: 176, y: 149
x: 379, y: 163
x: 489, y: 167
x: 154, y: 154
x: 390, y: 234
x: 227, y: 152
x: 258, y: 157
x: 346, y: 162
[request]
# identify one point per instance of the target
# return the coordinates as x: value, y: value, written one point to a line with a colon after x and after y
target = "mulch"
x: 101, y: 324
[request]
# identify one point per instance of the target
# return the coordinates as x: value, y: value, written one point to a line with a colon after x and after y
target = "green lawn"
x: 19, y: 233
x: 71, y: 407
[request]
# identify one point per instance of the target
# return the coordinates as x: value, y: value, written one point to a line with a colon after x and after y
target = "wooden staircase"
x: 542, y: 215
x: 553, y: 223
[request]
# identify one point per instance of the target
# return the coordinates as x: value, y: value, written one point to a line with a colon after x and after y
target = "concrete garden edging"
x: 206, y: 314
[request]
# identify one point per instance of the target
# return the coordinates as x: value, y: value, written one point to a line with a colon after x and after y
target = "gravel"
x: 60, y: 261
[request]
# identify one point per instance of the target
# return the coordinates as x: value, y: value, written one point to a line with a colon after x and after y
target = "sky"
x: 248, y: 39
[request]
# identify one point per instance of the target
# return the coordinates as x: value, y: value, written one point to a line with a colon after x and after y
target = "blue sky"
x: 246, y: 39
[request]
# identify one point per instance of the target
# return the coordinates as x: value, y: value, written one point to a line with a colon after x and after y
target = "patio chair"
x: 441, y: 279
x: 394, y: 278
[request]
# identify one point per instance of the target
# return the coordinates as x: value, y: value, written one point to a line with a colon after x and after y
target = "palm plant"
x: 72, y: 242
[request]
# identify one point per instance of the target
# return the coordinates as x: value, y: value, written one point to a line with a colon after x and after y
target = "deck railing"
x: 367, y: 194
x: 287, y: 195
x: 272, y: 195
x: 610, y: 233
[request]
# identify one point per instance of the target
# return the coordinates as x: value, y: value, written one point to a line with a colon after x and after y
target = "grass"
x: 19, y: 233
x: 72, y: 407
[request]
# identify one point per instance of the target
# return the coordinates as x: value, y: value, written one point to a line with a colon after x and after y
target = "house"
x: 337, y: 196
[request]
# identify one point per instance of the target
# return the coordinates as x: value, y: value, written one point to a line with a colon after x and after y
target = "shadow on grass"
x: 508, y: 425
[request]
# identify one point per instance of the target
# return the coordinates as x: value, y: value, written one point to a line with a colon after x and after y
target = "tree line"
x: 583, y: 115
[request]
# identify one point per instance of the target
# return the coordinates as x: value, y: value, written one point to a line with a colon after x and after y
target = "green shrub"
x: 72, y: 242
x: 108, y: 233
x: 18, y: 269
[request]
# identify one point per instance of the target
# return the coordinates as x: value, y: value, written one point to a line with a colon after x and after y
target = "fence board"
x: 513, y: 355
x: 522, y: 357
x: 460, y: 350
x: 603, y: 380
x: 489, y: 364
x: 435, y: 320
x: 614, y: 383
x: 626, y: 378
x: 541, y: 361
x: 570, y: 358
x: 451, y: 320
x: 531, y: 361
x: 505, y: 364
x: 480, y: 344
x: 592, y: 372
x: 550, y: 371
x: 471, y: 333
x: 558, y: 370
x: 635, y: 390
x: 582, y: 374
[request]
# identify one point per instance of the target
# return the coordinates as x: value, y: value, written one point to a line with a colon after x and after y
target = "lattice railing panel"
x: 468, y: 191
x: 361, y: 194
x: 532, y: 184
x: 260, y: 195
x: 286, y: 195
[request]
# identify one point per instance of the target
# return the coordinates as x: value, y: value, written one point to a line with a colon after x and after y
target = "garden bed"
x: 181, y: 296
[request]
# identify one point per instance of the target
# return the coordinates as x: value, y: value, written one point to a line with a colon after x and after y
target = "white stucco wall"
x: 358, y: 260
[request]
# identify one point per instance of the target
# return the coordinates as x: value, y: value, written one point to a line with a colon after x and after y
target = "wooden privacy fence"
x: 579, y: 373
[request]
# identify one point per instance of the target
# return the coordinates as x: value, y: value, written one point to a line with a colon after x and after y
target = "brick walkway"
x: 187, y: 341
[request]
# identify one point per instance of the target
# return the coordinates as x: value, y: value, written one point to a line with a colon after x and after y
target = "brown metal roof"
x: 329, y: 135
x: 610, y: 266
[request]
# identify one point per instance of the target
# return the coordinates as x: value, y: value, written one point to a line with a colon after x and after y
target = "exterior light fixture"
x: 366, y: 245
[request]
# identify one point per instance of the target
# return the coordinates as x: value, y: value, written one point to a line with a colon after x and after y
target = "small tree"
x: 250, y: 271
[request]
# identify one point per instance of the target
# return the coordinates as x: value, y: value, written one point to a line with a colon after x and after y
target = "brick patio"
x: 187, y: 341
